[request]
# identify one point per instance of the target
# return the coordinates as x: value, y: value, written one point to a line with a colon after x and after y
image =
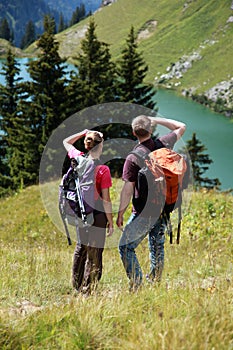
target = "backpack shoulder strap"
x: 158, y: 144
x: 141, y: 156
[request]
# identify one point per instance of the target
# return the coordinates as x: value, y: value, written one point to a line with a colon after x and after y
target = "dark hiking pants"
x: 87, y: 260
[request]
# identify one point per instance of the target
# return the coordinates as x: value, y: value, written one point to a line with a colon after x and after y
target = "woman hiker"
x: 87, y: 260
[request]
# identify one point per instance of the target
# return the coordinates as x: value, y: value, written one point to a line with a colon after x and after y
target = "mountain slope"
x: 192, y: 40
x: 19, y: 12
x: 67, y: 7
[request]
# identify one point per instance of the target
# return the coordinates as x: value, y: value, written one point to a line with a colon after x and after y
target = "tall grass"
x: 190, y: 309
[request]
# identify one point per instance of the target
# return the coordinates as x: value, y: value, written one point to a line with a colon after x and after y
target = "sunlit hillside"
x: 197, y: 33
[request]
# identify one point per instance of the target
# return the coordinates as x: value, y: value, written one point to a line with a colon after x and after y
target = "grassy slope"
x: 177, y: 33
x: 191, y: 309
x: 5, y: 46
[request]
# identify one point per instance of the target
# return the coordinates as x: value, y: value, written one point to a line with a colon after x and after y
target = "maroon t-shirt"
x: 132, y: 166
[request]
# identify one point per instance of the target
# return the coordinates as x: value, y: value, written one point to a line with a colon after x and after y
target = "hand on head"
x: 92, y: 139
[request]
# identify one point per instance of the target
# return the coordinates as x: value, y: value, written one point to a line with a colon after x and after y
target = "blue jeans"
x: 134, y: 232
x: 156, y: 247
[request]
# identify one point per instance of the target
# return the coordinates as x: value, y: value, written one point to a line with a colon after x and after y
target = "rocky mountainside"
x: 19, y: 12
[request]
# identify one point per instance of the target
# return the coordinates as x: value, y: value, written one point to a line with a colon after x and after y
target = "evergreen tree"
x: 5, y: 32
x: 29, y: 36
x: 132, y: 71
x: 78, y: 15
x: 61, y: 26
x: 48, y: 90
x: 200, y: 164
x: 95, y: 80
x: 95, y: 84
x: 82, y: 11
x: 14, y: 127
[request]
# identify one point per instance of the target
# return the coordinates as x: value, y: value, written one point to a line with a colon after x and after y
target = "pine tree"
x: 82, y: 11
x: 48, y: 87
x: 96, y: 72
x: 200, y: 164
x: 61, y: 26
x: 78, y: 14
x: 29, y: 36
x: 132, y: 71
x: 49, y: 103
x: 5, y: 31
x: 15, y: 131
x: 95, y: 84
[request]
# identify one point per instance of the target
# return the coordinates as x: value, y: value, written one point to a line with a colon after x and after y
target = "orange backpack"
x: 160, y: 183
x: 173, y: 166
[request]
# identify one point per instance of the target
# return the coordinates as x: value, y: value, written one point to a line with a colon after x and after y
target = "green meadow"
x: 190, y: 309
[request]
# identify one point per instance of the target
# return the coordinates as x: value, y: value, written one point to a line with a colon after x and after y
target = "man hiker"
x: 138, y: 226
